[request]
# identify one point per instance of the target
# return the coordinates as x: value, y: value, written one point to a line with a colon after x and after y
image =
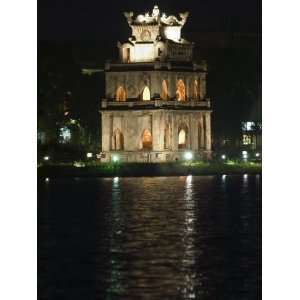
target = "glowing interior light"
x: 245, y: 176
x: 115, y: 158
x: 143, y: 52
x: 46, y: 157
x: 146, y: 94
x: 257, y: 154
x: 181, y: 137
x: 89, y: 155
x: 172, y: 33
x: 188, y: 155
x: 116, y: 179
x: 223, y: 156
x: 47, y: 179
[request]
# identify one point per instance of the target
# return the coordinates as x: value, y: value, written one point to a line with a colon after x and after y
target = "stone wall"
x: 133, y: 123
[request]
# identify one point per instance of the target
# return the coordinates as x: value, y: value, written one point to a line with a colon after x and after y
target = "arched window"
x: 182, y: 137
x: 146, y: 140
x: 164, y: 90
x: 146, y: 94
x: 118, y: 140
x: 180, y: 90
x: 120, y: 94
x: 167, y: 137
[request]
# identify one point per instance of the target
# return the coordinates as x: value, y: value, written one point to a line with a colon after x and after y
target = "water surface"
x: 195, y: 237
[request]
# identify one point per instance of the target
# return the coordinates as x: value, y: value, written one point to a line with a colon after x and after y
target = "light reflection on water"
x: 150, y: 238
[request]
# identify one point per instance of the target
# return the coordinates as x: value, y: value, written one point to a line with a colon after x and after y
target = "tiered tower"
x: 155, y: 107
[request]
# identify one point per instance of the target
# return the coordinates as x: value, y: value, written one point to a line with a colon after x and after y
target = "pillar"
x: 105, y: 131
x: 208, y: 131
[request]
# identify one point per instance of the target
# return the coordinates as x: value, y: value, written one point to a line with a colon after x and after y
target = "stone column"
x: 105, y: 131
x: 203, y: 87
x: 193, y: 132
x: 208, y: 131
x: 202, y: 137
x: 156, y: 131
x: 174, y: 138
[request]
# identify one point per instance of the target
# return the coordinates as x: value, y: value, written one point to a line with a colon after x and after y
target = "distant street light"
x: 223, y: 156
x: 257, y: 154
x: 115, y: 158
x: 188, y: 155
x: 89, y: 155
x: 245, y: 154
x: 46, y: 158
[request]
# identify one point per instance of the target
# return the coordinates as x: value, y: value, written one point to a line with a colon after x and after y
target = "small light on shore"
x: 245, y: 154
x: 47, y: 179
x: 89, y: 155
x: 245, y: 176
x: 223, y: 156
x: 46, y: 157
x: 115, y: 158
x: 257, y: 154
x: 188, y: 155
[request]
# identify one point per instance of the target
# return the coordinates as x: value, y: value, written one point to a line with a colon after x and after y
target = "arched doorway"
x: 120, y: 94
x: 182, y: 137
x: 164, y: 90
x: 146, y: 94
x: 146, y: 140
x: 118, y: 140
x: 180, y: 90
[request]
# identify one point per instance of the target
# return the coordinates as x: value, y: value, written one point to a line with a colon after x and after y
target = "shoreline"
x: 146, y: 169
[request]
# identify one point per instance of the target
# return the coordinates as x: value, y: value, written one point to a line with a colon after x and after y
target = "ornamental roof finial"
x: 155, y: 11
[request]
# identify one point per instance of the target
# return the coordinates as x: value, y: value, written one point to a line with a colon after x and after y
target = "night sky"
x: 96, y: 19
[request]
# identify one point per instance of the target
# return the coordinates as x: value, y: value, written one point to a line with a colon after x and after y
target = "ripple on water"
x: 150, y: 238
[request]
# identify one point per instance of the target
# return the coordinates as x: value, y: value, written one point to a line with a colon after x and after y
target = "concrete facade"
x: 155, y: 107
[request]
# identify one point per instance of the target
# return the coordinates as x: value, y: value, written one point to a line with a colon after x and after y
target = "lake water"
x: 194, y: 237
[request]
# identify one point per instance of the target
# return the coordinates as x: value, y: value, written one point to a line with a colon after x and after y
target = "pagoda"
x: 155, y: 107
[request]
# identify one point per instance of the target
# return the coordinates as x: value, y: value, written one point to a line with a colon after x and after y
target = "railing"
x: 156, y: 103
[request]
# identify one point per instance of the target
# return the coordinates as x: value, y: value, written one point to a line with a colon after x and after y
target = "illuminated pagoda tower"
x: 155, y: 107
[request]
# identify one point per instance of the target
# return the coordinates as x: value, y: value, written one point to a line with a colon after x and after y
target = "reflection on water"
x: 150, y: 238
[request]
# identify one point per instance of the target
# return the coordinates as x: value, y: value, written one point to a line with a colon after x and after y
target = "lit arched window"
x: 182, y: 137
x: 118, y: 140
x: 120, y: 94
x: 180, y: 90
x: 164, y: 90
x: 146, y: 140
x: 146, y: 94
